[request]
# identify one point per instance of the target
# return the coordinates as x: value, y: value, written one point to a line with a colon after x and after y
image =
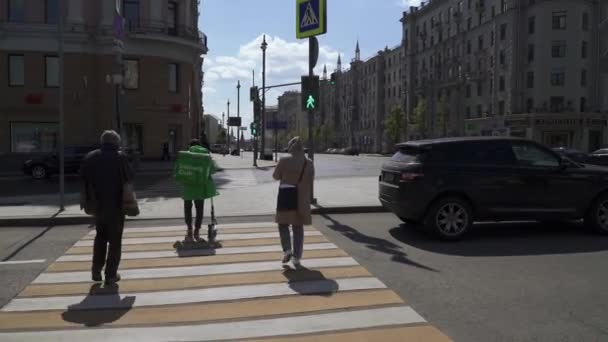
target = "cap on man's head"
x: 110, y: 137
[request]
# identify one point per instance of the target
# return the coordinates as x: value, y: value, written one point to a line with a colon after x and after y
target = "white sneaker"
x: 286, y: 257
x: 296, y: 262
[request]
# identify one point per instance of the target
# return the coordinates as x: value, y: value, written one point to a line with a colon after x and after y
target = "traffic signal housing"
x: 332, y: 79
x: 254, y: 129
x: 310, y: 93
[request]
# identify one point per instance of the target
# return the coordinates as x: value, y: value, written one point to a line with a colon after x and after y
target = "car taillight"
x: 410, y: 176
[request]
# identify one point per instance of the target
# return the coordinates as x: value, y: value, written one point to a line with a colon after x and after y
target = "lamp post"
x: 238, y: 114
x: 229, y: 131
x: 263, y: 121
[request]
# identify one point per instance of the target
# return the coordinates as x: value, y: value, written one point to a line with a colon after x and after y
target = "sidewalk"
x: 337, y: 195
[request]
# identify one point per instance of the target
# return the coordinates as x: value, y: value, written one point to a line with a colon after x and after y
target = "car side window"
x: 531, y: 155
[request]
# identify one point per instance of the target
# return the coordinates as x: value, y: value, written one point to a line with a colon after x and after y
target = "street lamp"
x: 238, y: 114
x: 229, y: 131
x: 263, y: 121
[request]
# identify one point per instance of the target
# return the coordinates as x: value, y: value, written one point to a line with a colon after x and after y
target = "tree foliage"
x: 394, y: 124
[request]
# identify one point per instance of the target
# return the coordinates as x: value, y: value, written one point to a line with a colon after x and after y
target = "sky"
x: 234, y: 30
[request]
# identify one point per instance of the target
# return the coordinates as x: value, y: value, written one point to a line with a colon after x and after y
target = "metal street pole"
x: 228, y: 128
x: 254, y: 139
x: 263, y: 121
x: 61, y: 108
x: 238, y: 114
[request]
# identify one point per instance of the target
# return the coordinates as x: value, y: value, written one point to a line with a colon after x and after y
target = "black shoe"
x: 112, y: 280
x: 96, y: 276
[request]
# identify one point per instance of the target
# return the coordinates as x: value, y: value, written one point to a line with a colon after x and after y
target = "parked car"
x: 47, y: 165
x: 447, y: 184
x: 598, y: 157
x: 219, y: 148
x: 351, y: 151
x: 574, y: 154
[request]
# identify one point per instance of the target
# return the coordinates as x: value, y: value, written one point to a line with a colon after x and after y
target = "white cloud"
x: 408, y: 3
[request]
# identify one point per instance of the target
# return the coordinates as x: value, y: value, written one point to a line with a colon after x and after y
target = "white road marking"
x: 149, y: 240
x: 20, y: 262
x: 140, y: 299
x: 169, y: 272
x: 181, y: 228
x: 199, y: 252
x: 316, y: 323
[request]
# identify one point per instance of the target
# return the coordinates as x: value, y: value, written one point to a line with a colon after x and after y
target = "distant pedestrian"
x: 165, y: 151
x: 193, y: 170
x: 104, y: 173
x: 296, y: 174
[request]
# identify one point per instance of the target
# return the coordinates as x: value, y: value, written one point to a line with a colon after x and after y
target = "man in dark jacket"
x: 104, y: 173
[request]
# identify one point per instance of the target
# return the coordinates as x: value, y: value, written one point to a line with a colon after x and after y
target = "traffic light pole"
x: 312, y: 61
x: 263, y: 118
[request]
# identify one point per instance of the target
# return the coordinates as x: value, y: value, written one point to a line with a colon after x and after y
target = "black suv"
x: 446, y: 184
x: 45, y: 166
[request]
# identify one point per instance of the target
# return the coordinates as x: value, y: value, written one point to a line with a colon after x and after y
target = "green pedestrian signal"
x: 254, y: 129
x: 310, y: 102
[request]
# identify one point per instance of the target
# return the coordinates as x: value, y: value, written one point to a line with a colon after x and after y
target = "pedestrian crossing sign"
x: 311, y: 18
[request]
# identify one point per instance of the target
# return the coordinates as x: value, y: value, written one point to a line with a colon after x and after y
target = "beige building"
x: 534, y: 69
x: 211, y: 127
x: 160, y: 100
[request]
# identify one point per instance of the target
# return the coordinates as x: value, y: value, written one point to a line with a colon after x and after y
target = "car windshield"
x: 408, y: 154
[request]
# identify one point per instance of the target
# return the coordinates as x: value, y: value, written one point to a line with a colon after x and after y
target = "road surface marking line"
x: 201, y: 312
x: 183, y: 227
x: 274, y: 327
x: 203, y: 232
x: 199, y: 252
x: 220, y: 237
x: 421, y: 333
x: 170, y: 245
x: 143, y: 285
x: 214, y: 294
x: 152, y: 273
x: 22, y: 262
x: 193, y: 261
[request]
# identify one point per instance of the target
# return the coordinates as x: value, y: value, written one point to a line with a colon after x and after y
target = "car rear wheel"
x: 597, y: 216
x: 39, y: 172
x: 450, y: 218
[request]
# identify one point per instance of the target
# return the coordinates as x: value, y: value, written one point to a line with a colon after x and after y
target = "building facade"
x: 211, y: 127
x: 162, y: 54
x: 529, y: 68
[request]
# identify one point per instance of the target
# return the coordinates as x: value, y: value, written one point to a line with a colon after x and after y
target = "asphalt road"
x: 506, y: 282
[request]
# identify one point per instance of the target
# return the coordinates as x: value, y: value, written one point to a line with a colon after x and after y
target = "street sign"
x: 313, y: 52
x: 280, y: 125
x: 234, y: 121
x: 311, y: 18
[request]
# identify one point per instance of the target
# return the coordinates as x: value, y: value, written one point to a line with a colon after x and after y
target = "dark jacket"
x: 104, y: 172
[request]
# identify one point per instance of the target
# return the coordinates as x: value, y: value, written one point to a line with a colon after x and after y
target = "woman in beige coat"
x: 288, y: 171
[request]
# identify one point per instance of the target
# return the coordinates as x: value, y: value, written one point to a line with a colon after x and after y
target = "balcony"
x: 152, y: 29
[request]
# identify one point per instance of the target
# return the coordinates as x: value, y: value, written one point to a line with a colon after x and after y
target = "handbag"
x: 129, y: 201
x: 287, y: 199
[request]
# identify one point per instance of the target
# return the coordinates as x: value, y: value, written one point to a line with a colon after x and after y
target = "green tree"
x: 419, y: 115
x: 394, y: 124
x: 442, y: 114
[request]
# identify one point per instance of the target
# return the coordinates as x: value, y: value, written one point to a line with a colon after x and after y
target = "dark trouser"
x: 200, y: 206
x: 298, y: 239
x: 109, y: 232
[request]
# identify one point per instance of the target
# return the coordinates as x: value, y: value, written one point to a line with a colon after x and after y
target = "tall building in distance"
x: 161, y: 98
x: 533, y: 69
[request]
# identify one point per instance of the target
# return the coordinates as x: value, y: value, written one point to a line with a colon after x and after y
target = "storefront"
x: 33, y: 137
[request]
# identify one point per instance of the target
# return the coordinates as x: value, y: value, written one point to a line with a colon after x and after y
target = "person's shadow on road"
x: 309, y: 282
x: 102, y: 305
x: 198, y: 246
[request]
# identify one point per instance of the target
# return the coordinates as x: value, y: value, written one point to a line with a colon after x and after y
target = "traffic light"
x: 253, y: 93
x: 310, y: 92
x: 257, y: 110
x: 254, y: 129
x: 332, y: 79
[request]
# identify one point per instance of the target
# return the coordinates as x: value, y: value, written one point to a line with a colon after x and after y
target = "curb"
x: 79, y: 220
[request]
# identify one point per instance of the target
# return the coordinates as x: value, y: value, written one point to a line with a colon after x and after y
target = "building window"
x: 502, y: 58
x: 479, y: 89
x: 468, y: 91
x: 51, y: 11
x: 530, y: 79
x: 492, y: 38
x: 529, y: 105
x: 501, y: 83
x: 558, y: 78
x: 585, y: 21
x: 584, y: 78
x: 16, y: 11
x: 133, y: 137
x: 480, y: 42
x: 530, y: 52
x: 469, y: 23
x: 557, y: 103
x: 131, y: 80
x: 503, y: 6
x: 584, y: 47
x: 558, y: 49
x: 173, y: 77
x: 501, y: 108
x: 469, y: 47
x: 493, y: 11
x: 16, y: 74
x: 531, y: 25
x: 583, y: 104
x: 51, y: 71
x: 479, y: 110
x: 172, y: 18
x: 559, y: 20
x: 503, y: 31
x: 131, y: 13
x: 33, y: 137
x: 468, y: 112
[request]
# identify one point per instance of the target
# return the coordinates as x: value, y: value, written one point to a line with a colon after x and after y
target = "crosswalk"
x: 175, y: 290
